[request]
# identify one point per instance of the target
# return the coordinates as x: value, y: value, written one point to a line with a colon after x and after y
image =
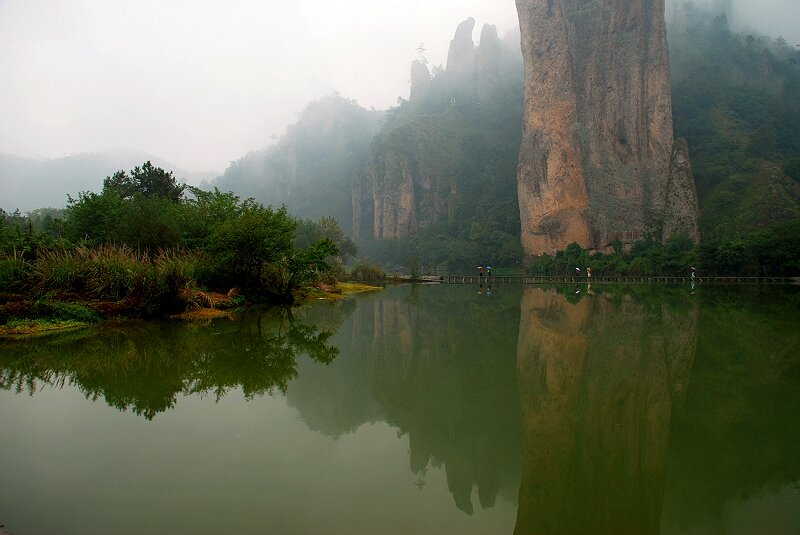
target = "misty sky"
x: 201, y: 82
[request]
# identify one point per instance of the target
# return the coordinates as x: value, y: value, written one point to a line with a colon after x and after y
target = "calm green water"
x: 427, y: 409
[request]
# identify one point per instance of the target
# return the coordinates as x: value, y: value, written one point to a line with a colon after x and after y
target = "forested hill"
x: 736, y: 99
x: 311, y: 167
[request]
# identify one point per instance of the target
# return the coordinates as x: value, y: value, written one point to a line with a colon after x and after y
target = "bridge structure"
x: 472, y: 279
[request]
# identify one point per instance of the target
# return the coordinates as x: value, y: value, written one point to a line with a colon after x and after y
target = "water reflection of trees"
x: 143, y: 367
x: 598, y: 379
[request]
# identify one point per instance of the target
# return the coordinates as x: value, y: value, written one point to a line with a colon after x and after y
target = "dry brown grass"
x: 203, y: 314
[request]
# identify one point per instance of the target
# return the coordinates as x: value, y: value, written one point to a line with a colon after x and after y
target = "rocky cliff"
x: 425, y: 162
x: 595, y: 160
x: 489, y: 62
x: 461, y: 54
x: 420, y: 81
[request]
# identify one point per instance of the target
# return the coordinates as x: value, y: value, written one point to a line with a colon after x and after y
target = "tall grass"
x: 115, y: 273
x: 14, y: 271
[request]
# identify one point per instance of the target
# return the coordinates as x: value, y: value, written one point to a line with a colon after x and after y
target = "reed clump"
x: 367, y: 271
x: 150, y: 283
x: 13, y: 272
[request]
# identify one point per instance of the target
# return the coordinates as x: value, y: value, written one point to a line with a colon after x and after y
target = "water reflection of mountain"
x: 443, y: 369
x: 734, y: 453
x: 598, y: 379
x: 641, y: 410
x: 438, y: 363
x: 142, y: 367
x: 336, y: 399
x: 643, y: 413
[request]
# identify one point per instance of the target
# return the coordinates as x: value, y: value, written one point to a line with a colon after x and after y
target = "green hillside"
x: 736, y: 99
x: 311, y: 167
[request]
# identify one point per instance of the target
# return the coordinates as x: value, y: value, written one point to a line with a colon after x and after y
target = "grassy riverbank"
x: 21, y: 317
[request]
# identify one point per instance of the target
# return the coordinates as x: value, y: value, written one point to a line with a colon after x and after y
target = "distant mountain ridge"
x: 31, y: 183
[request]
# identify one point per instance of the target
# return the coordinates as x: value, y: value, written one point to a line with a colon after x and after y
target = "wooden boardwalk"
x: 462, y: 279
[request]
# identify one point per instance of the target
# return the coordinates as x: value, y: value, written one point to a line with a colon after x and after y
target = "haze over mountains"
x: 202, y: 87
x: 440, y: 177
x: 27, y: 184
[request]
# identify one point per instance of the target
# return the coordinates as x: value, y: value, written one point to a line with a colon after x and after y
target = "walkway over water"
x: 460, y: 279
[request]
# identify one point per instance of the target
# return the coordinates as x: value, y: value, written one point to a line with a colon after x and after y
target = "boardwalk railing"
x: 462, y: 279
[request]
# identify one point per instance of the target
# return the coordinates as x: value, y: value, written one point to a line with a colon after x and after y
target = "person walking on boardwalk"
x: 488, y: 271
x: 693, y: 270
x: 589, y: 272
x: 480, y: 272
x: 577, y: 271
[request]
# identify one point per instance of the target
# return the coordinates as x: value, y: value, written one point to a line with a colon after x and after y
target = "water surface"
x: 420, y: 409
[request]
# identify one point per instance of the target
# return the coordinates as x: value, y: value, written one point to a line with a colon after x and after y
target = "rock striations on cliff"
x: 597, y: 155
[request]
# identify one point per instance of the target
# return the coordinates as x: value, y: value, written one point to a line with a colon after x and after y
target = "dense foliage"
x: 147, y: 241
x: 771, y: 252
x: 735, y: 100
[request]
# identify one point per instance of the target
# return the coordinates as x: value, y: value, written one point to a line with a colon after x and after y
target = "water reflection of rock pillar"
x: 597, y: 382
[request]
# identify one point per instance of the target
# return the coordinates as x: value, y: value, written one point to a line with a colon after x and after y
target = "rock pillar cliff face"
x: 461, y: 55
x: 420, y: 81
x: 680, y: 205
x: 597, y: 125
x: 489, y: 62
x: 417, y: 168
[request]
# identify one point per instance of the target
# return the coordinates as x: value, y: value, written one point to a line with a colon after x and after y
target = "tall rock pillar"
x: 597, y: 125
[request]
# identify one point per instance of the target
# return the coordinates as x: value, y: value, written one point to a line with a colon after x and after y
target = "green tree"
x: 204, y: 212
x: 148, y: 181
x: 94, y: 218
x: 150, y: 223
x: 257, y: 235
x: 305, y: 265
x: 310, y: 232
